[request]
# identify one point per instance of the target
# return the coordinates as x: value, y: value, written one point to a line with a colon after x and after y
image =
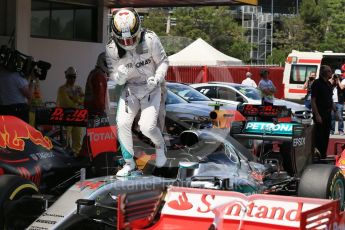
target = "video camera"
x: 337, y: 74
x: 15, y: 61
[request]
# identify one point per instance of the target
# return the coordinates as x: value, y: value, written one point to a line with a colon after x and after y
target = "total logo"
x: 101, y: 136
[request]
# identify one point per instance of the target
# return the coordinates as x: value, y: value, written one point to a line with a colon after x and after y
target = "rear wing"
x: 190, y: 208
x: 267, y: 122
x: 273, y: 113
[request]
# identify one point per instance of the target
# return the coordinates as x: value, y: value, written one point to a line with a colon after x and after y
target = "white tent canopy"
x: 201, y: 53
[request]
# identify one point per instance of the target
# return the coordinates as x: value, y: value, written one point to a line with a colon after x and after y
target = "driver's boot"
x: 161, y: 159
x: 129, y: 167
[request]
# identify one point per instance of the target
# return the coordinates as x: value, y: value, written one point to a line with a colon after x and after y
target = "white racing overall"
x: 146, y: 60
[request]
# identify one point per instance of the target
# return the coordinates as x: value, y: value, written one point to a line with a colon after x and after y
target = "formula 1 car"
x: 26, y: 152
x: 217, y: 161
x: 29, y: 157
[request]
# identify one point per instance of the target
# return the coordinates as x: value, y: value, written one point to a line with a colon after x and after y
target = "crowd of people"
x: 325, y: 97
x: 265, y: 86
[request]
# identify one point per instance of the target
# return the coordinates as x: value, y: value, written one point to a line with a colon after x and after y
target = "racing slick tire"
x: 13, y: 187
x: 323, y: 181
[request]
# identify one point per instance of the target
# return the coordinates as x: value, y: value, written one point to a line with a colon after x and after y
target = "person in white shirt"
x: 338, y: 99
x: 249, y: 81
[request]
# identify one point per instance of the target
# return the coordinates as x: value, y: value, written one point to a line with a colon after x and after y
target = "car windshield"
x: 248, y: 91
x: 187, y: 92
x: 174, y: 99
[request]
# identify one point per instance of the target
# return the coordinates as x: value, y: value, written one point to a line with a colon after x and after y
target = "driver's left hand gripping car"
x: 218, y: 162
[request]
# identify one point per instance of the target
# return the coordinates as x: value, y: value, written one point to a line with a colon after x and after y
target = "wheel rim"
x: 11, y: 221
x: 338, y: 192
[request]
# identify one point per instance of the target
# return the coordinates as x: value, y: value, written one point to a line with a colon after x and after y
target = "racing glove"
x: 152, y: 83
x: 121, y: 75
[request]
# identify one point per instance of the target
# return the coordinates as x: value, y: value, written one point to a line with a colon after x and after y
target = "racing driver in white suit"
x: 139, y: 62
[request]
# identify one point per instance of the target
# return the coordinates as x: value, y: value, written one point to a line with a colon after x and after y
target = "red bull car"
x: 25, y: 152
x: 29, y: 157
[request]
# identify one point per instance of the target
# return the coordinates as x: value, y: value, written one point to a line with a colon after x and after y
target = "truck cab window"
x: 300, y: 73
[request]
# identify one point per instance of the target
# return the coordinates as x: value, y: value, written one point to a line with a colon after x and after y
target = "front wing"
x: 189, y: 208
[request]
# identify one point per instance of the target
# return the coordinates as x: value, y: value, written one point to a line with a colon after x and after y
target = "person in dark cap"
x: 266, y: 87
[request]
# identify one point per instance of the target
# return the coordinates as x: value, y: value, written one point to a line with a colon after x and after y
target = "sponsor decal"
x: 14, y: 132
x: 34, y: 157
x: 300, y: 141
x: 33, y: 176
x: 254, y: 209
x: 51, y: 222
x: 100, y: 121
x: 139, y: 64
x: 129, y: 65
x: 269, y: 128
x: 37, y: 228
x: 53, y: 215
x: 285, y: 211
x: 143, y: 63
x: 181, y: 203
x: 102, y: 139
x: 41, y: 155
x: 94, y: 136
x: 89, y: 184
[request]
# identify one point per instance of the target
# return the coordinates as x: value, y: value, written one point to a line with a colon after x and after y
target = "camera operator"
x: 307, y: 86
x: 15, y: 94
x: 338, y: 85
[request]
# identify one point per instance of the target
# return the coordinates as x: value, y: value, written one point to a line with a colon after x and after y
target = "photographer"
x: 338, y: 85
x: 307, y: 86
x: 15, y: 94
x: 16, y: 71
